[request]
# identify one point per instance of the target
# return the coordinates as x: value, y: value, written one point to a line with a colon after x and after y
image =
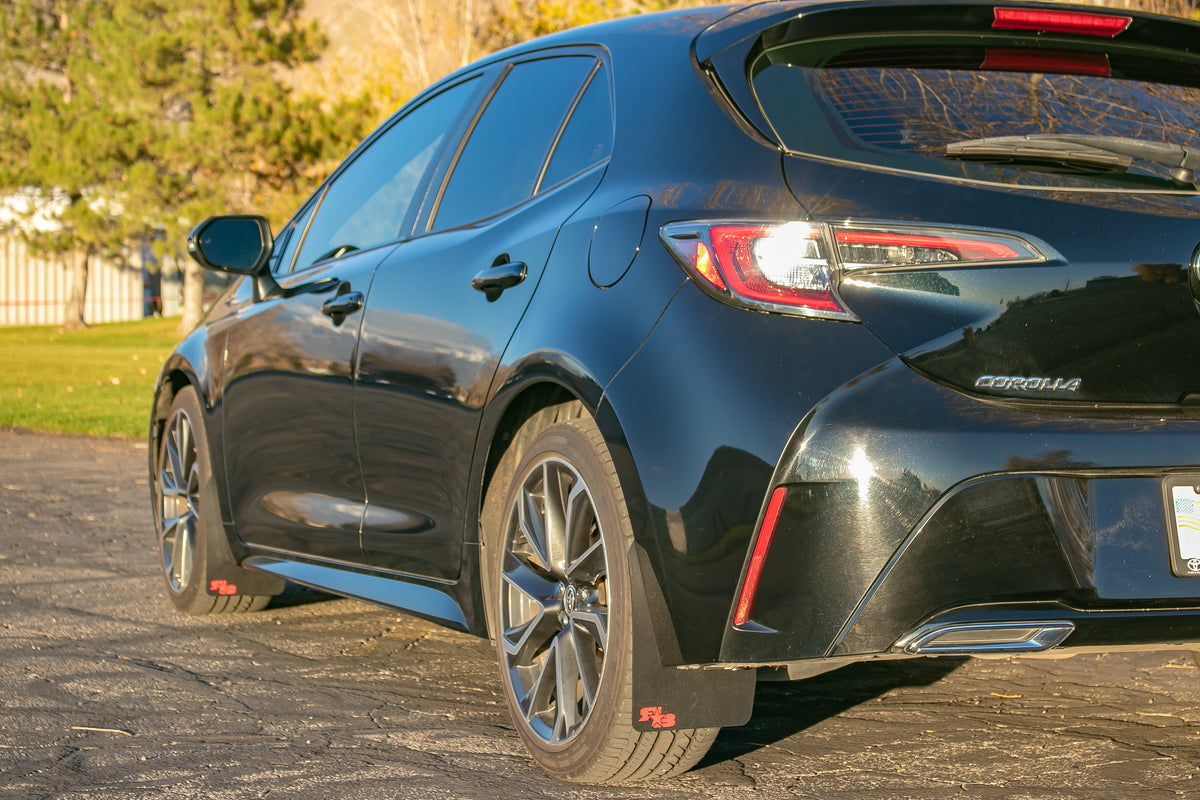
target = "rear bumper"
x: 918, y: 514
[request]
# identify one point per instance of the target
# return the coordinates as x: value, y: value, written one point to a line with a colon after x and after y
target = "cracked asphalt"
x: 106, y: 692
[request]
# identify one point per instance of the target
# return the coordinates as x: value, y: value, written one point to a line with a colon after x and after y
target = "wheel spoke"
x: 594, y: 622
x: 566, y: 678
x: 589, y: 675
x: 527, y: 581
x: 193, y: 490
x: 533, y: 526
x: 535, y: 702
x: 555, y: 514
x: 578, y: 516
x: 174, y: 443
x: 179, y: 550
x: 173, y: 526
x: 523, y: 641
x: 589, y: 567
x: 168, y: 486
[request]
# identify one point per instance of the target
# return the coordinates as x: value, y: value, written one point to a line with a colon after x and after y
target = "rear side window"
x: 587, y: 138
x: 502, y: 159
x: 913, y: 105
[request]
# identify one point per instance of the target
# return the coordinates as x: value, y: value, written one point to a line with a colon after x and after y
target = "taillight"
x: 1051, y: 21
x: 795, y: 267
x: 883, y: 246
x: 785, y: 264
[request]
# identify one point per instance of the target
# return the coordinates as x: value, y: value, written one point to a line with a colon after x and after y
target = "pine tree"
x: 141, y: 117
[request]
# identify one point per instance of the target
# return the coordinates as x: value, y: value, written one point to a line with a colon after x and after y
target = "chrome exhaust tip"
x: 985, y: 638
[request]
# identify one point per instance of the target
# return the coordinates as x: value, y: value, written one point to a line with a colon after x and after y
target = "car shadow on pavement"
x: 296, y: 595
x: 783, y: 709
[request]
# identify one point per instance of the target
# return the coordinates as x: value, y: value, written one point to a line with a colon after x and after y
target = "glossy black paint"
x: 289, y: 368
x: 1111, y: 306
x: 357, y: 409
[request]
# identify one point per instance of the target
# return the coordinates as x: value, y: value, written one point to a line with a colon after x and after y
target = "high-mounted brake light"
x: 794, y: 267
x: 1048, y: 21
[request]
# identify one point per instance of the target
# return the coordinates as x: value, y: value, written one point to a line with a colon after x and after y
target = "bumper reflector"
x: 761, y: 545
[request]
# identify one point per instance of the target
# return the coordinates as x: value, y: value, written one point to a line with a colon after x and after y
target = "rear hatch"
x: 1009, y: 192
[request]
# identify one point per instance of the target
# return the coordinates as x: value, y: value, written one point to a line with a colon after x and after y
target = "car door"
x: 291, y: 455
x: 444, y: 305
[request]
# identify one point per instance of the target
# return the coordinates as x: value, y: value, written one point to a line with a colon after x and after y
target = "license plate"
x: 1182, y: 496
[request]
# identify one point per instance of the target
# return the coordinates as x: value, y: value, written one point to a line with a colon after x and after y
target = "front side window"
x: 500, y: 163
x: 367, y: 203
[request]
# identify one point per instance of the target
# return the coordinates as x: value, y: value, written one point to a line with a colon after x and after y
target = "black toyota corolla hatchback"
x: 676, y: 351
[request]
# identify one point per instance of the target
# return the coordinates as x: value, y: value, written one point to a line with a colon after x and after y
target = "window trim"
x: 562, y: 127
x: 504, y: 68
x: 412, y: 214
x: 310, y: 210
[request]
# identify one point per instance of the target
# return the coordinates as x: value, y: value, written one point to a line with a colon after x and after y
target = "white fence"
x: 33, y: 291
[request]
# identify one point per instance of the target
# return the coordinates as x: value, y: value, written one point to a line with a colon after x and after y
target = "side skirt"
x: 425, y: 599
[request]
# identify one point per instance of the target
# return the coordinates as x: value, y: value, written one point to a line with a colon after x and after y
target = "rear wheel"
x: 560, y: 605
x: 186, y: 515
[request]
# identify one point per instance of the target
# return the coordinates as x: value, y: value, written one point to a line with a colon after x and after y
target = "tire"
x: 190, y: 533
x: 556, y: 536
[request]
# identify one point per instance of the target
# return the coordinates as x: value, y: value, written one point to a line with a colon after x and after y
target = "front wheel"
x: 560, y: 604
x: 185, y: 510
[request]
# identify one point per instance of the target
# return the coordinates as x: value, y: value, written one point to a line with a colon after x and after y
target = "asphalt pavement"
x: 106, y: 692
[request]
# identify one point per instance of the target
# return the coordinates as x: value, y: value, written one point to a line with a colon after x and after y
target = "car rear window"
x: 899, y: 101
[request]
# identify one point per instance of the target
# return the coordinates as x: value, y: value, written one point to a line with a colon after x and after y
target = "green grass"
x: 97, y: 381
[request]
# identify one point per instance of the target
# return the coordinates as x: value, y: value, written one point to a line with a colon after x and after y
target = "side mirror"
x: 240, y: 244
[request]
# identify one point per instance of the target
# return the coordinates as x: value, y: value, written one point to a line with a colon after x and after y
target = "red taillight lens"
x: 892, y: 247
x: 761, y: 546
x: 1048, y: 21
x: 794, y: 267
x: 783, y: 264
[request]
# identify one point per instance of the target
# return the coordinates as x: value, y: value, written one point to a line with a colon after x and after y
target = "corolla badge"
x: 1016, y: 383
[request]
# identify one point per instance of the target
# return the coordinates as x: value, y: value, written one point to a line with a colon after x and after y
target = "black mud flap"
x: 665, y: 698
x: 226, y: 578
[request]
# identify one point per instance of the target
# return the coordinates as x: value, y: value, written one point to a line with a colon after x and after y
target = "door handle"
x: 498, y: 277
x: 341, y: 306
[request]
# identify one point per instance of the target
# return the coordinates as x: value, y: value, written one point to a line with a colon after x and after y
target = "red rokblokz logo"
x: 655, y: 715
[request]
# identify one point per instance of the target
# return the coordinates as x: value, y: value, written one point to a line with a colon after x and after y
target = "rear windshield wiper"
x: 1102, y: 152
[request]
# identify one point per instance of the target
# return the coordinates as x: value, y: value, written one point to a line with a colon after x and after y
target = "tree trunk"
x: 193, y: 296
x: 77, y: 280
